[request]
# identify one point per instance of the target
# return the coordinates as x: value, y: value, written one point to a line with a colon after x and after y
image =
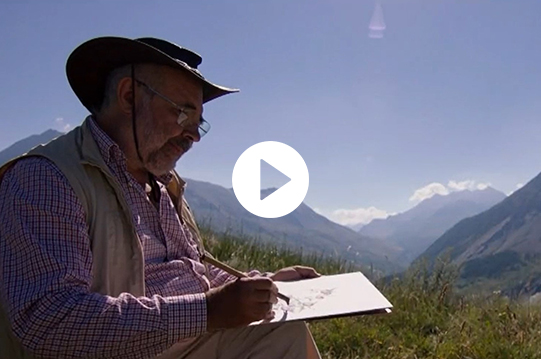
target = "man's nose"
x: 191, y: 132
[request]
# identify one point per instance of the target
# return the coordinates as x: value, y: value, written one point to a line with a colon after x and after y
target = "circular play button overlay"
x: 247, y: 179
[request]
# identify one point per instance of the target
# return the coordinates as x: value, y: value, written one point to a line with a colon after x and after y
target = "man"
x: 99, y: 252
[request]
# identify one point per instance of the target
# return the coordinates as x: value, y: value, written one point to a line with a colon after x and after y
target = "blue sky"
x: 450, y: 93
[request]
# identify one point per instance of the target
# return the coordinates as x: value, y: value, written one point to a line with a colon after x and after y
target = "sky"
x: 424, y: 97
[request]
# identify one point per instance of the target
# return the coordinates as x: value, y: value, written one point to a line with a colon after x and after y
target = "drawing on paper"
x: 327, y: 297
x: 299, y: 304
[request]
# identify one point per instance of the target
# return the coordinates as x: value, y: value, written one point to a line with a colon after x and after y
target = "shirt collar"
x: 112, y: 153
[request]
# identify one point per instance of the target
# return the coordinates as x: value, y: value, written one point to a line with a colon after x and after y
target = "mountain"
x: 416, y: 229
x: 500, y: 246
x: 217, y: 207
x: 24, y: 145
x: 356, y: 227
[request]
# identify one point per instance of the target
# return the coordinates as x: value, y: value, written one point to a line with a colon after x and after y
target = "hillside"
x: 429, y: 319
x: 502, y: 245
x: 22, y: 146
x: 217, y: 207
x: 416, y: 229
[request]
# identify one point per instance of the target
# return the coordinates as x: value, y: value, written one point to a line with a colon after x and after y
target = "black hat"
x: 89, y: 65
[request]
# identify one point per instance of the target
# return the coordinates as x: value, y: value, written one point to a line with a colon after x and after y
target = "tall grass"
x: 245, y: 253
x: 429, y: 319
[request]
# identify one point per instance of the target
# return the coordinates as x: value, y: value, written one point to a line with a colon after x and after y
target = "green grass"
x: 429, y: 320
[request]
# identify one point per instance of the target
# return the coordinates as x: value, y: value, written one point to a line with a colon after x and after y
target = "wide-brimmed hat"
x: 89, y: 65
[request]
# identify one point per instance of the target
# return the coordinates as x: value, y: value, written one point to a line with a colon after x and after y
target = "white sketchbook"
x: 328, y: 297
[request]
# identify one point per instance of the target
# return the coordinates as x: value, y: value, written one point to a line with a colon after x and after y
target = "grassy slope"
x: 429, y: 319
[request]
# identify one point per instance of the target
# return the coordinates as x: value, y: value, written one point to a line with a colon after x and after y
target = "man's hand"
x: 240, y: 302
x: 294, y: 273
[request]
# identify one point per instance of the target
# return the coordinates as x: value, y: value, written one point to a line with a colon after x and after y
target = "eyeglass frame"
x: 203, y: 126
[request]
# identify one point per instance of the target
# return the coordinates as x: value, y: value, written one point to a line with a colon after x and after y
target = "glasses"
x: 204, y: 126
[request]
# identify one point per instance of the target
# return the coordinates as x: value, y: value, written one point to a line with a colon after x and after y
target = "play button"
x: 259, y: 161
x: 265, y: 169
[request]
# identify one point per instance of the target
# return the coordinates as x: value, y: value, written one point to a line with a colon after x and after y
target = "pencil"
x: 234, y: 272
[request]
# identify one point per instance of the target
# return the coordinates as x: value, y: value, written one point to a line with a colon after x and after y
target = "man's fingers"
x: 263, y: 309
x: 258, y: 283
x: 307, y: 272
x: 240, y: 302
x: 265, y: 296
x: 274, y: 298
x: 270, y: 315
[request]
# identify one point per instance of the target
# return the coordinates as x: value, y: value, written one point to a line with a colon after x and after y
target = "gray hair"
x: 148, y: 73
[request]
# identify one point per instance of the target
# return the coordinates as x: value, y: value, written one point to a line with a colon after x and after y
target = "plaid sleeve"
x: 219, y: 277
x: 46, y: 271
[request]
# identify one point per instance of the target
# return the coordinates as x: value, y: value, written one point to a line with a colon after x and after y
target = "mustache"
x: 183, y: 143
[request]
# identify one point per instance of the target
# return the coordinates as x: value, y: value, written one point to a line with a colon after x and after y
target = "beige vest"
x: 118, y: 262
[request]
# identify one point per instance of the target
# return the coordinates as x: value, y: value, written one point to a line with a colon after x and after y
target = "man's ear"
x: 124, y: 95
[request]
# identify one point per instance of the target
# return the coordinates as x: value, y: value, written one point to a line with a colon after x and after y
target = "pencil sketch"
x: 301, y: 303
x: 327, y: 297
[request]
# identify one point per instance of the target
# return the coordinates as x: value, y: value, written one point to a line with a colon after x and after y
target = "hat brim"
x: 89, y: 65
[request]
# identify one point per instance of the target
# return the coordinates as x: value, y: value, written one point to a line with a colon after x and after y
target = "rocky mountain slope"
x: 502, y: 245
x: 416, y: 229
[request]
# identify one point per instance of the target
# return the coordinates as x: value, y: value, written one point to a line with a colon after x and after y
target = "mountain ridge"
x: 218, y: 208
x: 520, y: 207
x: 24, y: 145
x: 500, y: 246
x: 416, y: 229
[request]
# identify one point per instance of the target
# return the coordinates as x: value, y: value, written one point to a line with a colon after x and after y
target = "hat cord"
x: 133, y: 114
x: 155, y: 193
